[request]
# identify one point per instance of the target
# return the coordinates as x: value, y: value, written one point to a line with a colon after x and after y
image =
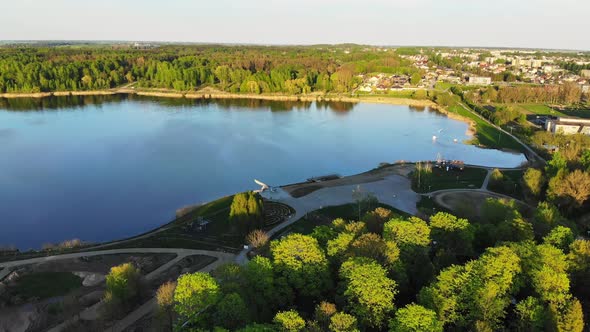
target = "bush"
x: 122, y: 283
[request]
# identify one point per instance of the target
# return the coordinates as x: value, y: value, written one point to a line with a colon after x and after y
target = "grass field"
x: 470, y: 178
x: 47, y: 284
x: 486, y: 134
x: 539, y: 109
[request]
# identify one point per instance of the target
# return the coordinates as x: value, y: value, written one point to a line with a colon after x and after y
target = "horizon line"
x: 106, y: 41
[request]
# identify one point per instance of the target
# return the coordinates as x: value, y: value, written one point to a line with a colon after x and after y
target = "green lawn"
x: 486, y: 134
x: 539, y: 109
x: 47, y: 284
x: 470, y: 178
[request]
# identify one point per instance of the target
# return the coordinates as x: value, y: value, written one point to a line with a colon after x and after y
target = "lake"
x: 103, y: 168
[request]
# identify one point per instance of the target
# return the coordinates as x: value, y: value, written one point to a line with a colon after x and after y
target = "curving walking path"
x: 92, y: 312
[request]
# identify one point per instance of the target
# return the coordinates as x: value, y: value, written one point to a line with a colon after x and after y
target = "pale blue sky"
x: 563, y: 24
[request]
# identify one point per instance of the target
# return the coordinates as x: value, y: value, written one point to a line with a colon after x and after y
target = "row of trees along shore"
x: 250, y: 69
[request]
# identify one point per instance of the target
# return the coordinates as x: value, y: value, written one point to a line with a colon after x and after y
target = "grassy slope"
x: 47, y: 284
x: 486, y: 134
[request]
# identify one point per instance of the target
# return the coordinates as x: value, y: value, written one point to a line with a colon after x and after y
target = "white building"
x: 568, y: 126
x: 478, y: 80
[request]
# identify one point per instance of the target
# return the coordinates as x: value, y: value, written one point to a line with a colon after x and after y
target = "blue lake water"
x: 105, y: 168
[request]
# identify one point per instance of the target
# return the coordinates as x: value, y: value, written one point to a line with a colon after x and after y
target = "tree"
x: 231, y: 312
x: 323, y: 234
x: 195, y: 293
x: 455, y: 234
x: 338, y: 247
x: 369, y: 245
x: 530, y: 315
x: 555, y: 165
x: 323, y: 312
x: 376, y: 218
x: 342, y: 322
x: 476, y: 295
x: 123, y: 282
x: 415, y: 318
x: 569, y: 317
x: 230, y: 277
x: 246, y: 212
x: 165, y: 299
x: 415, y: 79
x: 257, y: 239
x: 560, y: 237
x: 546, y: 218
x: 368, y: 290
x: 264, y: 291
x: 289, y: 321
x: 573, y: 189
x: 411, y: 232
x: 300, y: 260
x: 534, y: 181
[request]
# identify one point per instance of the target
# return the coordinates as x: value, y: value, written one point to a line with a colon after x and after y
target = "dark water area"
x: 100, y: 168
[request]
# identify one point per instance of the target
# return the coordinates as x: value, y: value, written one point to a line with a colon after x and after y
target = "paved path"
x: 91, y: 313
x: 393, y: 190
x: 152, y: 305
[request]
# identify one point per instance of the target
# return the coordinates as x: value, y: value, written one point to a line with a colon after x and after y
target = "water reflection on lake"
x: 100, y: 168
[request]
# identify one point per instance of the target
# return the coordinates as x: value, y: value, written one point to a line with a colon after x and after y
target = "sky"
x: 563, y: 24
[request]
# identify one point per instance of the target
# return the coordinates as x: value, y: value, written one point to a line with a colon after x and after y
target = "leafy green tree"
x: 415, y: 79
x: 338, y: 247
x: 555, y: 165
x: 411, y: 232
x: 246, y: 212
x: 476, y: 295
x: 264, y: 292
x: 546, y: 218
x: 569, y: 317
x: 368, y: 291
x: 531, y: 315
x: 560, y: 237
x: 123, y: 282
x: 230, y: 277
x: 343, y: 322
x: 300, y: 260
x: 452, y: 233
x: 571, y: 190
x: 195, y: 293
x: 534, y: 181
x: 323, y: 234
x: 289, y: 321
x: 231, y: 312
x: 415, y: 318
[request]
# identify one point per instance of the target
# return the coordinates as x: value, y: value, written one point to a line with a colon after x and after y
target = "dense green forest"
x: 391, y: 273
x: 252, y: 69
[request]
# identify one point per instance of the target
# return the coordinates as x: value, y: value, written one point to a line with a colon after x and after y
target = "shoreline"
x: 205, y: 94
